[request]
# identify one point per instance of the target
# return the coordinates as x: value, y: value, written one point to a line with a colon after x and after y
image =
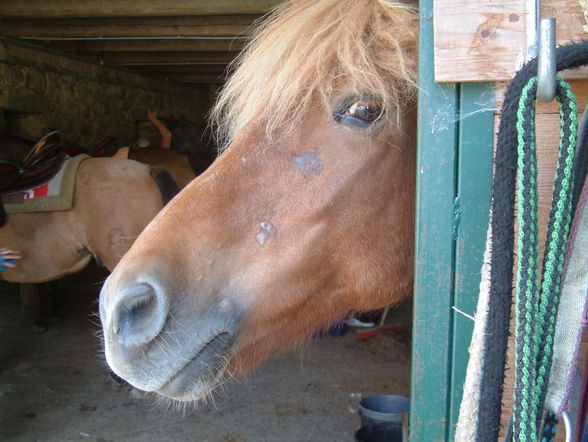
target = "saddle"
x: 106, y: 147
x: 38, y: 166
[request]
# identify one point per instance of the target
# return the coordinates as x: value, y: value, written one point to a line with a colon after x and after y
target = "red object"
x: 371, y: 332
x: 37, y: 192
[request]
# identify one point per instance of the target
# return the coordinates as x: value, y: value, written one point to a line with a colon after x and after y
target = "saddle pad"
x: 56, y: 194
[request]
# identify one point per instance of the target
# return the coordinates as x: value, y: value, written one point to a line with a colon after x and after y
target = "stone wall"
x: 41, y: 91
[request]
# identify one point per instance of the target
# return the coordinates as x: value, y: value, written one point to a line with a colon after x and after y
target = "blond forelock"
x: 306, y: 52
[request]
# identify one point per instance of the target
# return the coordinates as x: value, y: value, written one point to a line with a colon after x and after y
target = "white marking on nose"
x: 266, y: 231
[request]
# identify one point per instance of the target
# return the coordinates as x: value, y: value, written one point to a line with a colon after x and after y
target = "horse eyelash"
x: 347, y: 102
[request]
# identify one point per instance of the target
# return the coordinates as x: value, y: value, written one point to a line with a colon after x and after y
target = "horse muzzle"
x: 179, y: 349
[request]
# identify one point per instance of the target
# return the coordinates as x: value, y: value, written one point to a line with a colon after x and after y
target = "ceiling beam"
x: 19, y: 51
x: 127, y: 8
x: 149, y: 45
x: 202, y: 26
x: 196, y: 78
x: 185, y: 69
x: 167, y: 58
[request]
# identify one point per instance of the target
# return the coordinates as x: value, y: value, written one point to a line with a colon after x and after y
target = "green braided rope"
x: 560, y: 219
x: 535, y: 308
x: 526, y: 281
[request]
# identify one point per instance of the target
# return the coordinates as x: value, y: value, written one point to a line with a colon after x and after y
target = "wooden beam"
x: 196, y: 78
x: 478, y: 40
x: 202, y: 26
x: 130, y: 8
x: 184, y: 69
x: 183, y: 74
x: 148, y: 45
x: 175, y: 58
x: 486, y: 40
x: 16, y: 50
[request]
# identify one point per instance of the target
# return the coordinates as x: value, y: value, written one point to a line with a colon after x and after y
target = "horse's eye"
x: 366, y: 110
x: 360, y: 113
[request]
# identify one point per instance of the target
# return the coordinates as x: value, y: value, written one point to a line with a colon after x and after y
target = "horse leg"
x: 30, y: 303
x: 51, y: 303
x: 37, y: 306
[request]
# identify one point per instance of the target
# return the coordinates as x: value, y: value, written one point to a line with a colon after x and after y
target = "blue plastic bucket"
x: 383, y: 408
x: 381, y: 418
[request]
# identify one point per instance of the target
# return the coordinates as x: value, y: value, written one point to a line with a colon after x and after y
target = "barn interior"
x: 92, y: 70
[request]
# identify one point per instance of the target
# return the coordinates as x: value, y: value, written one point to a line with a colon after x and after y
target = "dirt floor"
x: 54, y: 385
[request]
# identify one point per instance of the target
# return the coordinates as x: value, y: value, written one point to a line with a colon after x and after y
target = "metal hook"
x: 546, y: 63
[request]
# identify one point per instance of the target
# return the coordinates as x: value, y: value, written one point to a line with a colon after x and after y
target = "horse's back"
x: 113, y: 202
x: 176, y: 163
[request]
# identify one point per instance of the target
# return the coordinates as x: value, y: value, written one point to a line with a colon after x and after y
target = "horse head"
x: 305, y: 216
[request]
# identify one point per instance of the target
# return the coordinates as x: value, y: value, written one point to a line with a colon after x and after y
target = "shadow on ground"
x: 54, y: 385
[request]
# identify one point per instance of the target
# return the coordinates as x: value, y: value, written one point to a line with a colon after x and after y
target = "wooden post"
x: 454, y: 170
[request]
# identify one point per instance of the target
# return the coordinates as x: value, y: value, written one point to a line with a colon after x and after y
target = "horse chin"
x: 202, y: 374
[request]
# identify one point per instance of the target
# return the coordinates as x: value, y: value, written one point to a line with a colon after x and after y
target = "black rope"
x: 501, y: 273
x: 581, y: 162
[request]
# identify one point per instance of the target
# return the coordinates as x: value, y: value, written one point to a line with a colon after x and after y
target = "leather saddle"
x: 38, y: 166
x: 106, y: 147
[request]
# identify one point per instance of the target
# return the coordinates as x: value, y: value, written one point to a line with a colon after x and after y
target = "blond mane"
x: 307, y: 50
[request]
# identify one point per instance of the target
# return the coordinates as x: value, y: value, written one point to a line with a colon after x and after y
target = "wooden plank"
x: 580, y: 88
x: 129, y: 8
x: 204, y: 77
x: 19, y: 52
x: 479, y: 40
x: 149, y: 45
x: 175, y: 58
x: 571, y: 27
x: 185, y: 69
x: 485, y: 40
x: 203, y: 26
x: 569, y: 17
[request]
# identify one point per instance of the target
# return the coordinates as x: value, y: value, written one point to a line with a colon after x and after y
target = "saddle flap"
x: 9, y: 173
x: 38, y: 167
x: 35, y: 177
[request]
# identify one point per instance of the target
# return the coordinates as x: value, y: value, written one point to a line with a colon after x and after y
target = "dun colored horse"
x: 114, y: 200
x: 177, y: 164
x: 306, y: 216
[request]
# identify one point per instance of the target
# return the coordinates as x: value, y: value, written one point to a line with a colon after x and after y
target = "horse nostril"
x: 139, y: 314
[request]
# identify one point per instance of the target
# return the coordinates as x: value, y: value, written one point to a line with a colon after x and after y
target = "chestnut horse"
x: 114, y: 199
x: 306, y: 216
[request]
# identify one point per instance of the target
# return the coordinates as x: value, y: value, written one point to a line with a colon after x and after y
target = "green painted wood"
x: 454, y: 169
x: 474, y: 181
x: 434, y: 253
